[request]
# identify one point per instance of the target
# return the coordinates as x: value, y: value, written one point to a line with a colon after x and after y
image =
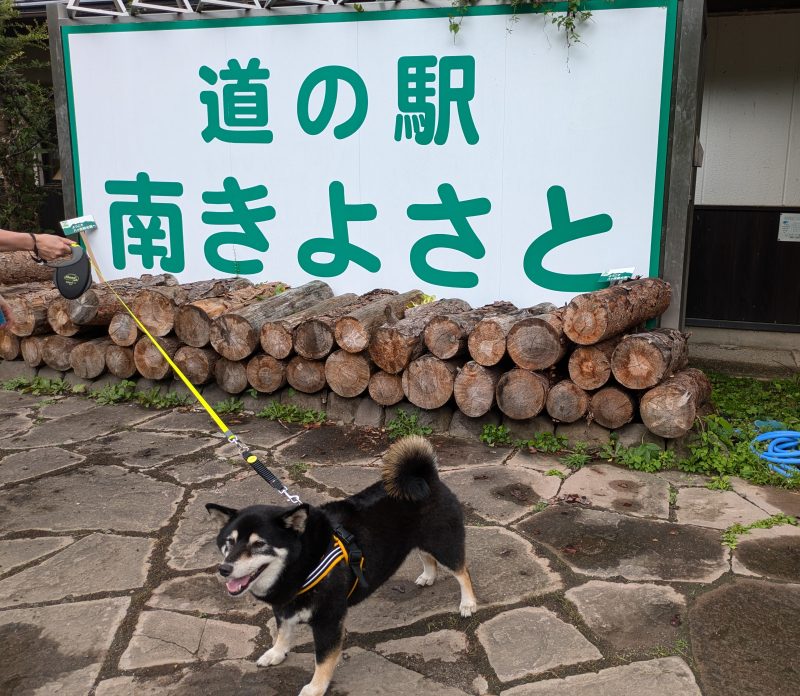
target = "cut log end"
x: 276, y: 340
x: 231, y: 376
x: 148, y: 359
x: 670, y: 409
x: 266, y: 374
x: 123, y: 330
x: 612, y: 407
x: 119, y: 361
x: 567, y: 402
x: 386, y: 389
x: 474, y: 388
x: 347, y: 374
x: 428, y: 382
x: 57, y: 350
x: 313, y: 339
x: 351, y: 335
x: 233, y: 337
x: 196, y: 363
x: 59, y: 319
x: 88, y: 360
x: 521, y: 394
x: 307, y: 376
x: 31, y: 350
x: 642, y: 360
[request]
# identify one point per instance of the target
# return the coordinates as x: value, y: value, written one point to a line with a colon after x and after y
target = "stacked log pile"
x: 591, y: 359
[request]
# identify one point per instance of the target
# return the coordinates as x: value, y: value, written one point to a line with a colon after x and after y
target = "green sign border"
x: 347, y: 14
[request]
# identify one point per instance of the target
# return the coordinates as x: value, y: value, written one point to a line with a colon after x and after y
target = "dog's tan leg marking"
x: 282, y: 645
x: 323, y: 673
x: 429, y: 570
x: 469, y: 603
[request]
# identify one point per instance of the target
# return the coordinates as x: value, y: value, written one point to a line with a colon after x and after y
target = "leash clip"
x: 293, y: 499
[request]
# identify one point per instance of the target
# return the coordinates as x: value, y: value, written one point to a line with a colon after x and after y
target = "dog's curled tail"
x: 409, y: 469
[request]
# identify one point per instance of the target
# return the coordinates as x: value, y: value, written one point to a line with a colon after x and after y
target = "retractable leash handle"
x: 80, y: 226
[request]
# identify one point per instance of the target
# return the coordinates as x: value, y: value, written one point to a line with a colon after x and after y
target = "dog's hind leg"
x: 282, y: 645
x: 469, y: 603
x: 429, y: 569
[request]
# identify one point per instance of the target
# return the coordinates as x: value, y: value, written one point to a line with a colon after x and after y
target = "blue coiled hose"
x: 782, y: 453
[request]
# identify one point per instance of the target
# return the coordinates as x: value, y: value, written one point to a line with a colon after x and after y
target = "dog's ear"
x: 220, y: 513
x: 296, y: 518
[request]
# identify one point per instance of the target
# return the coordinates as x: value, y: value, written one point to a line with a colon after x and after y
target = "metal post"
x: 55, y: 12
x: 685, y: 127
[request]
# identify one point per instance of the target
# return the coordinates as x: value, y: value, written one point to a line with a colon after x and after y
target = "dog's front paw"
x: 468, y: 608
x: 425, y: 580
x: 271, y: 657
x: 311, y: 690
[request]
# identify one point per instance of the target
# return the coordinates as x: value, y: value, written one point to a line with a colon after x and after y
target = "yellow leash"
x: 245, y: 452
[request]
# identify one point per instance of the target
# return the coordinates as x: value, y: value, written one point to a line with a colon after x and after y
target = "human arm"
x: 49, y: 246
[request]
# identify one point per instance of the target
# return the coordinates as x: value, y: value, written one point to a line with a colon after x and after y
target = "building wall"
x: 750, y: 126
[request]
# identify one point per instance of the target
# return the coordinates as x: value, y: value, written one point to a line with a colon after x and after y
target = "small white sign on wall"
x: 789, y: 227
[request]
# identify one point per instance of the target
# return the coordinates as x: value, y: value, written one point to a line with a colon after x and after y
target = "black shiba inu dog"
x: 299, y: 560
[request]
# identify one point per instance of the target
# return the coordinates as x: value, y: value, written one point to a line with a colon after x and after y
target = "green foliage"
x: 730, y: 537
x: 540, y: 506
x: 406, y: 424
x: 494, y: 435
x: 544, y: 442
x: 570, y: 20
x: 154, y: 398
x: 647, y: 456
x: 358, y: 7
x: 115, y: 393
x: 27, y: 117
x: 289, y: 413
x: 673, y: 496
x: 297, y: 469
x: 16, y: 383
x: 719, y: 483
x: 555, y: 472
x: 578, y: 457
x: 229, y: 405
x: 38, y: 386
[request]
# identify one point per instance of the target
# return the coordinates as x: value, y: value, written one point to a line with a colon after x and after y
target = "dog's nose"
x: 225, y: 569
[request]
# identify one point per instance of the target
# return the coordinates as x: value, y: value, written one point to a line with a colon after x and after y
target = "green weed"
x: 404, y: 424
x: 555, y: 472
x: 289, y: 413
x: 730, y: 537
x: 540, y: 506
x: 115, y: 393
x: 544, y: 442
x: 229, y: 405
x: 719, y: 483
x: 496, y: 435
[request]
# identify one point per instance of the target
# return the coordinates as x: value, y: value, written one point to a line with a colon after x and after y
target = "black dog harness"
x: 342, y: 547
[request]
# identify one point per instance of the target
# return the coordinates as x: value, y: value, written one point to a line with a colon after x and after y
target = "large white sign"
x: 375, y: 149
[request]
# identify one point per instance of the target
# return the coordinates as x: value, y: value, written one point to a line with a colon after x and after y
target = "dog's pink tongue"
x: 236, y: 584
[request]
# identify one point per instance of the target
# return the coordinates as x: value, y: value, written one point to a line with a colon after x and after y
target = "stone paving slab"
x: 590, y: 433
x: 193, y: 546
x: 444, y: 646
x: 770, y: 553
x: 203, y: 593
x: 532, y: 640
x: 348, y: 479
x: 504, y: 568
x: 14, y: 425
x: 770, y: 499
x: 29, y: 464
x: 632, y: 615
x: 715, y: 509
x: 682, y: 479
x: 500, y: 493
x: 744, y: 638
x: 329, y: 445
x: 96, y: 563
x: 98, y: 497
x: 18, y: 552
x: 180, y: 421
x: 57, y: 649
x: 164, y: 637
x: 14, y: 400
x: 80, y: 427
x: 65, y: 407
x: 146, y: 450
x: 539, y: 461
x: 456, y: 453
x: 606, y: 545
x: 669, y: 676
x: 205, y: 469
x: 621, y: 490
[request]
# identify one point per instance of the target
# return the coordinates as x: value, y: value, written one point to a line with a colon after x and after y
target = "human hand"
x: 53, y: 247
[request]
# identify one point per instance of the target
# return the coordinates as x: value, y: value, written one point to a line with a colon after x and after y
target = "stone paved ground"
x: 107, y: 584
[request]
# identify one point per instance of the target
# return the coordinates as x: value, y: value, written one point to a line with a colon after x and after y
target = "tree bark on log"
x: 428, y: 382
x: 277, y: 336
x: 348, y: 374
x: 231, y: 376
x: 156, y: 307
x: 314, y: 337
x: 643, y: 360
x: 193, y: 320
x: 9, y: 345
x: 670, y: 409
x: 487, y: 341
x: 29, y: 311
x: 395, y: 345
x: 307, y: 376
x: 474, y: 389
x: 88, y: 360
x: 59, y: 319
x: 537, y: 343
x: 590, y: 366
x: 149, y: 361
x: 567, y: 402
x: 522, y: 394
x: 57, y: 350
x: 123, y: 330
x: 386, y: 389
x: 446, y: 335
x: 196, y: 363
x: 235, y: 335
x: 612, y: 407
x: 120, y: 362
x: 595, y: 316
x: 266, y: 374
x: 17, y: 267
x: 98, y: 305
x: 31, y: 349
x: 353, y: 331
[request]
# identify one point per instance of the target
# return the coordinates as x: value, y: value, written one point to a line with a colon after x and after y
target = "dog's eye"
x: 230, y: 541
x: 259, y: 546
